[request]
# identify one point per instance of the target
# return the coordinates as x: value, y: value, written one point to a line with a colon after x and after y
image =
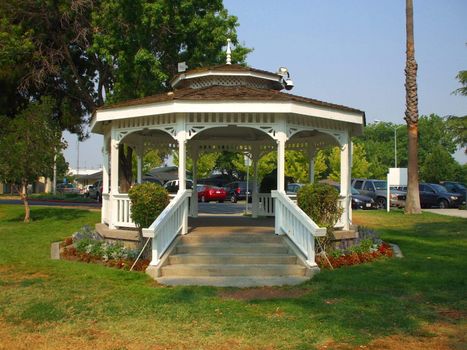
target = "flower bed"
x: 87, y: 246
x: 368, y: 247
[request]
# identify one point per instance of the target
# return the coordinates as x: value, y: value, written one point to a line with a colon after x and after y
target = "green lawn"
x: 60, y: 304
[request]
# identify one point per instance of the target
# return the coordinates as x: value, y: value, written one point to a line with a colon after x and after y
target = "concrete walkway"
x: 230, y: 224
x: 449, y: 212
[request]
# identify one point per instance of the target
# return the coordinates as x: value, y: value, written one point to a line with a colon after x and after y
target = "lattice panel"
x: 252, y: 82
x: 231, y: 118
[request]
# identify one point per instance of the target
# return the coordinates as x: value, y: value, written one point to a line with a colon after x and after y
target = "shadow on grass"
x: 39, y: 214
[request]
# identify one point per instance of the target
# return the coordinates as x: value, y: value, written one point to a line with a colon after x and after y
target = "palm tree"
x: 412, y: 204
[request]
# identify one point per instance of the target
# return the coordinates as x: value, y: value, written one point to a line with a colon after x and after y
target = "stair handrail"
x: 170, y: 223
x: 291, y: 220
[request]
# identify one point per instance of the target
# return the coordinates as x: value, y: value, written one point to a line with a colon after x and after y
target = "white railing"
x: 171, y: 222
x: 121, y: 208
x: 292, y: 221
x: 105, y: 211
x: 265, y: 204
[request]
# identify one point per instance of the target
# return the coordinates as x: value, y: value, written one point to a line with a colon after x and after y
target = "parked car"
x: 359, y: 201
x: 211, y: 193
x: 96, y: 190
x: 377, y: 190
x: 293, y: 188
x: 67, y: 188
x: 173, y: 185
x: 237, y: 191
x: 437, y: 195
x: 456, y: 187
x: 151, y: 179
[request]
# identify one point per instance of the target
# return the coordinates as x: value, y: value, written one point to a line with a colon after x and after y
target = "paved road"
x: 449, y: 212
x: 226, y: 208
x: 52, y: 204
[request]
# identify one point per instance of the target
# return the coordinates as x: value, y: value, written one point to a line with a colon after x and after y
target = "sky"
x: 350, y: 53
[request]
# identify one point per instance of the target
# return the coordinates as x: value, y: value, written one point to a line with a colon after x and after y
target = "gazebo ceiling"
x: 233, y: 133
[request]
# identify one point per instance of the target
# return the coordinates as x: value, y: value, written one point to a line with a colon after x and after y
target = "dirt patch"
x: 452, y: 315
x: 439, y: 336
x: 262, y: 293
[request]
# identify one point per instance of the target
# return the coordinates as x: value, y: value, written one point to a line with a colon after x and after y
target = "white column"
x: 105, y: 178
x: 182, y: 139
x: 281, y: 139
x: 311, y: 165
x: 194, y: 195
x: 105, y: 165
x: 255, y: 192
x: 182, y: 163
x: 139, y: 159
x: 346, y: 173
x: 114, y: 160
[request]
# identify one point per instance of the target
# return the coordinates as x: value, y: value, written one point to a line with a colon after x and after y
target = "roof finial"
x: 228, y: 51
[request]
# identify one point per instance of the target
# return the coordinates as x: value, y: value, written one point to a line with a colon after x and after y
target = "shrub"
x: 320, y: 202
x: 148, y: 200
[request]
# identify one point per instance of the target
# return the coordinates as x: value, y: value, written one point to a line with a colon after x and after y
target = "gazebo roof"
x: 229, y: 88
x: 227, y: 93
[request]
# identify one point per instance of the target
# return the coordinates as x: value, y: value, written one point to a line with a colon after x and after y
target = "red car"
x: 211, y: 193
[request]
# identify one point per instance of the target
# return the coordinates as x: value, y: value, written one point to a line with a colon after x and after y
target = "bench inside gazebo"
x: 227, y: 108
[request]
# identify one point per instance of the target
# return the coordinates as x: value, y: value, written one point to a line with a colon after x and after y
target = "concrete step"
x: 231, y: 281
x: 231, y: 248
x: 218, y: 259
x: 248, y: 270
x: 232, y: 237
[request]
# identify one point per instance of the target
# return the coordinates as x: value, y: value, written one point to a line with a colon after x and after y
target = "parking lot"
x: 226, y: 208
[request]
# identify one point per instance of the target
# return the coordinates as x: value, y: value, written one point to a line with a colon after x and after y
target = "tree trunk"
x: 412, y: 203
x: 126, y: 169
x: 24, y: 197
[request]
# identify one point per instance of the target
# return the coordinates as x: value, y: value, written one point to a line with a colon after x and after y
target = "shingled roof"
x: 226, y: 93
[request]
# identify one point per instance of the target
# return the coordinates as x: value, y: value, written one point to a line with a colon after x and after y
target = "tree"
x: 439, y: 165
x: 412, y: 203
x: 462, y: 77
x: 28, y: 143
x: 84, y: 52
x: 359, y: 163
x: 458, y: 129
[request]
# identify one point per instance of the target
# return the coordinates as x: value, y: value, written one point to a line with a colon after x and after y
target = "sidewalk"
x: 449, y: 212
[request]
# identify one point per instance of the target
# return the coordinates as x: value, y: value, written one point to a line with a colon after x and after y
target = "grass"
x: 62, y: 304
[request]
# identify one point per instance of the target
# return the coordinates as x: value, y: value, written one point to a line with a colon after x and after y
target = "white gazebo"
x: 225, y: 108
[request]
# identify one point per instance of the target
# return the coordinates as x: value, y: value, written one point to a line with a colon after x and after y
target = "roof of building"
x: 227, y: 93
x: 225, y: 68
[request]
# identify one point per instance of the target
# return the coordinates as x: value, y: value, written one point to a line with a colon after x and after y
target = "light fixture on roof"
x: 286, y: 81
x: 182, y: 67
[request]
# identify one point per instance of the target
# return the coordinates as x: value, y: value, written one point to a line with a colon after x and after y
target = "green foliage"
x: 462, y: 77
x: 360, y: 166
x: 320, y: 202
x: 296, y: 166
x: 457, y: 127
x: 148, y: 200
x: 28, y: 144
x: 439, y: 165
x: 152, y: 158
x: 364, y: 246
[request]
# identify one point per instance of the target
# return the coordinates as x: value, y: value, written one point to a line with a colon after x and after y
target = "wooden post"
x: 114, y: 160
x: 281, y: 139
